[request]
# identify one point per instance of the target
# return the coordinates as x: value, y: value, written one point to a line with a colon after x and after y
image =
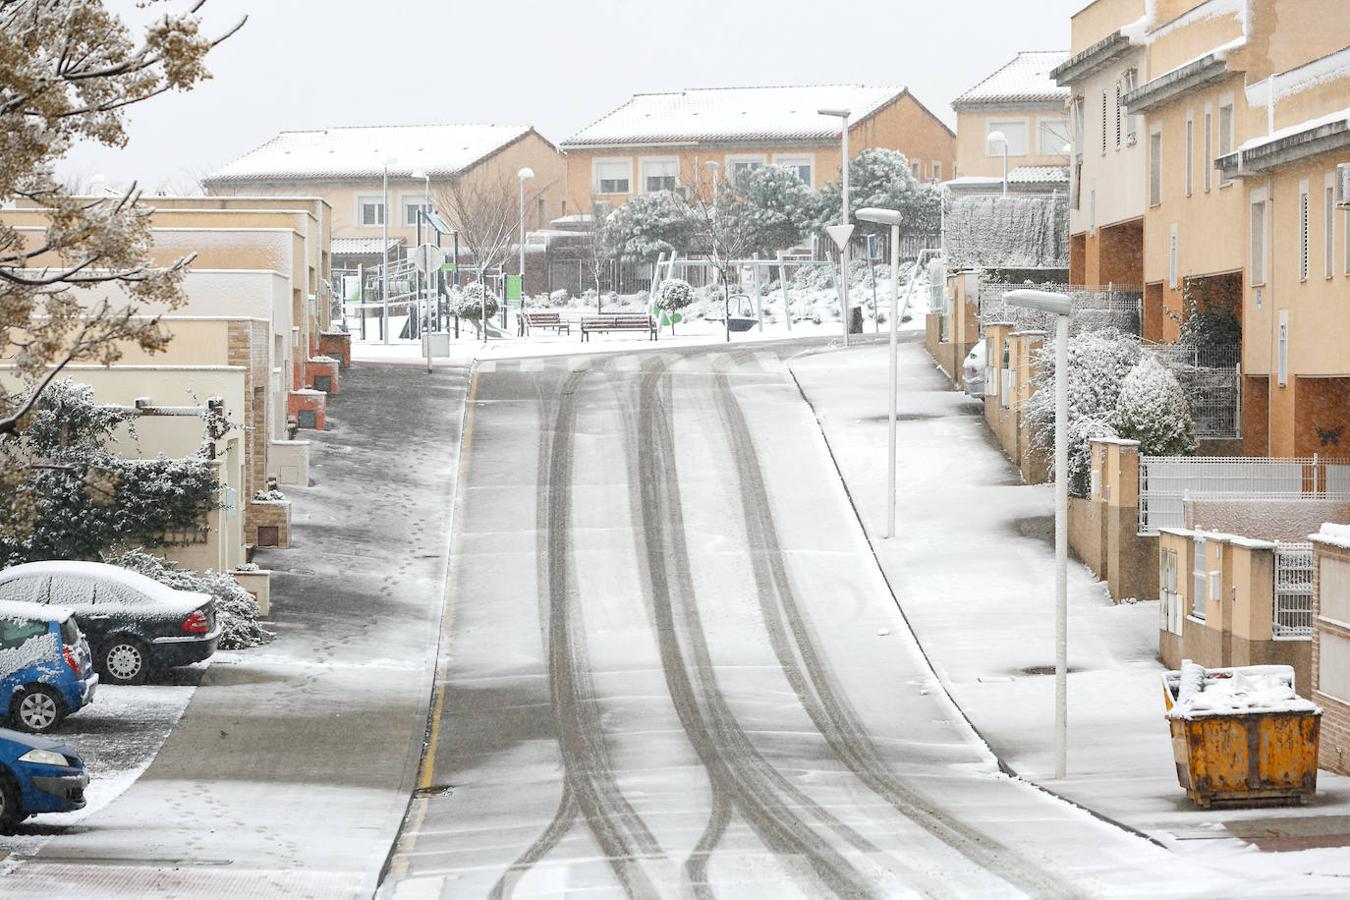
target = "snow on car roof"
x: 21, y: 609
x: 360, y: 152
x: 734, y: 114
x: 133, y: 580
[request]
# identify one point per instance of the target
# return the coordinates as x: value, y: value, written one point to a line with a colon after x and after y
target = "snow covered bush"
x: 81, y: 498
x: 1153, y: 411
x: 559, y: 298
x: 647, y: 226
x: 1081, y: 433
x: 674, y: 294
x: 468, y: 302
x: 236, y: 610
x: 1099, y: 361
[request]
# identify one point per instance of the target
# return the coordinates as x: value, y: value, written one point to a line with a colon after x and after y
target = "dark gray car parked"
x: 133, y: 623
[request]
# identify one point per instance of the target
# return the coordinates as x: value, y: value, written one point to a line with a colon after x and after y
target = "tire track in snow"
x: 809, y: 675
x: 589, y: 788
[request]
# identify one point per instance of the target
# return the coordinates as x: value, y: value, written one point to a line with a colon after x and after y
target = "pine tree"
x: 1153, y: 411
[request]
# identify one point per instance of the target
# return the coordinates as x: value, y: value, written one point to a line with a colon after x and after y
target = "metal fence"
x: 1167, y: 482
x: 1293, y: 608
x: 1211, y: 379
x: 1095, y: 307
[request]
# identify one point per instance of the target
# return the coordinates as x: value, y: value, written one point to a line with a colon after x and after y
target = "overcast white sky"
x: 555, y: 64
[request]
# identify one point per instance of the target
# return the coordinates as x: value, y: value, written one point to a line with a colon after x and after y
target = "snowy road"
x: 670, y: 667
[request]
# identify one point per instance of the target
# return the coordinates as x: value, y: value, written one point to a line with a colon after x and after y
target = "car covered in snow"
x: 46, y: 670
x: 972, y: 370
x: 134, y: 623
x: 37, y: 775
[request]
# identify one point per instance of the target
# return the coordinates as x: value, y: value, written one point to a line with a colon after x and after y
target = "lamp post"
x: 843, y: 116
x: 523, y: 174
x: 425, y: 330
x: 384, y: 253
x: 998, y: 137
x: 1059, y: 305
x: 892, y: 218
x: 714, y: 166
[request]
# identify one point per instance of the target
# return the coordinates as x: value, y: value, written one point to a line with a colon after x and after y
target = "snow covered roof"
x: 1293, y: 143
x: 1026, y: 79
x: 1047, y: 177
x: 360, y: 246
x: 734, y: 115
x: 337, y: 153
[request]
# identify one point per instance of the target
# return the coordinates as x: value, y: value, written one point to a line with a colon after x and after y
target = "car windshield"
x: 70, y: 632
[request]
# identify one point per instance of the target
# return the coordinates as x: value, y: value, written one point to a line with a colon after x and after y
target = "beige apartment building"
x: 345, y: 167
x: 1022, y: 102
x: 663, y: 141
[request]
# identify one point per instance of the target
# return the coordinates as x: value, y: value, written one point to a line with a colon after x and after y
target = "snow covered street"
x: 672, y: 667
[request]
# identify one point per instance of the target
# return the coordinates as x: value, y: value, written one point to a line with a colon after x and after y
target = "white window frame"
x: 936, y: 169
x: 992, y: 125
x: 796, y: 161
x: 1131, y: 79
x: 1190, y: 153
x: 1209, y: 146
x: 1304, y: 237
x: 645, y: 161
x: 1053, y: 150
x: 405, y: 201
x: 1259, y: 238
x: 364, y: 200
x: 1118, y: 122
x: 1104, y: 130
x: 1077, y: 123
x: 1155, y: 167
x: 599, y: 161
x: 1227, y: 136
x: 1199, y: 581
x: 760, y: 159
x: 1329, y: 225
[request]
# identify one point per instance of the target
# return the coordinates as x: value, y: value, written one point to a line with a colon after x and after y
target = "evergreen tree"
x: 1153, y: 411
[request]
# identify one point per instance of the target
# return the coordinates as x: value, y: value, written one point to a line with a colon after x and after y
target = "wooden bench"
x: 532, y: 320
x: 618, y: 322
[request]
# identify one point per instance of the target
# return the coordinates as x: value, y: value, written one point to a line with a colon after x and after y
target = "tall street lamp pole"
x: 998, y: 137
x: 1059, y: 305
x: 843, y: 116
x: 523, y: 174
x: 892, y: 218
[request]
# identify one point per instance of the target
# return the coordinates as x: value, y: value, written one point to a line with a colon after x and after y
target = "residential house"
x: 1107, y: 169
x: 1022, y: 102
x: 346, y: 167
x: 663, y: 141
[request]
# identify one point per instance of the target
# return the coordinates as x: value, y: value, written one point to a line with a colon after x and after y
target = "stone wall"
x: 270, y: 524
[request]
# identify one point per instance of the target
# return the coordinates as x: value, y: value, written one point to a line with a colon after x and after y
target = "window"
x: 1078, y: 124
x: 1303, y: 231
x: 1225, y: 136
x: 612, y: 176
x: 1155, y: 166
x: 1208, y: 159
x: 1328, y: 227
x: 1258, y: 262
x: 739, y: 165
x: 370, y: 210
x: 1131, y: 121
x: 937, y: 170
x: 1103, y: 123
x: 18, y: 589
x: 1015, y: 130
x: 1117, y: 115
x: 917, y: 168
x: 803, y: 166
x: 412, y: 206
x: 67, y: 590
x: 1190, y: 154
x: 1169, y: 608
x: 1052, y: 135
x: 14, y: 632
x: 1199, y: 581
x: 659, y: 174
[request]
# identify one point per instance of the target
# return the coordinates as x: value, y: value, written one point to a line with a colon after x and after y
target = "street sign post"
x: 840, y: 235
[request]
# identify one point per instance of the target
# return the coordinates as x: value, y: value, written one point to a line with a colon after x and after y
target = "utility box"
x: 1241, y: 736
x: 436, y: 343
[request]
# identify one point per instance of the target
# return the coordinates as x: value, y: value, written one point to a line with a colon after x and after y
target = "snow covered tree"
x: 647, y: 226
x: 72, y: 497
x: 69, y: 69
x: 721, y: 229
x: 473, y: 302
x: 1153, y: 411
x: 772, y: 204
x: 674, y: 294
x: 880, y: 177
x: 1099, y: 362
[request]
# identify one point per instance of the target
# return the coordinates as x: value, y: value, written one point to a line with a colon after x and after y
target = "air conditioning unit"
x: 1343, y: 185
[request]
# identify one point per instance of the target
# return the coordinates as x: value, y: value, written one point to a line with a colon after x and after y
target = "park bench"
x: 618, y: 322
x: 533, y: 320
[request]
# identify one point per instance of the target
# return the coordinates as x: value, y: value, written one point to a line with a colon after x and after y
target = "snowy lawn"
x: 973, y: 571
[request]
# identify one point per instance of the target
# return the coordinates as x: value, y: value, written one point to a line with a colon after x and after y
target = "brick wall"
x: 265, y: 516
x: 248, y: 346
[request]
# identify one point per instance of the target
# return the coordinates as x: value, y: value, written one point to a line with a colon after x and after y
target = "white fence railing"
x: 1293, y: 607
x: 1167, y: 482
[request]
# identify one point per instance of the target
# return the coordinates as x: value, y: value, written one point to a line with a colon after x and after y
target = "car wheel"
x: 38, y: 709
x: 10, y: 812
x: 124, y: 661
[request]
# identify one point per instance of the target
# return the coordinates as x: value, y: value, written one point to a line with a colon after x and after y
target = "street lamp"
x: 523, y: 174
x: 892, y: 218
x: 384, y: 252
x: 426, y: 257
x: 842, y: 115
x: 998, y: 137
x: 1059, y: 306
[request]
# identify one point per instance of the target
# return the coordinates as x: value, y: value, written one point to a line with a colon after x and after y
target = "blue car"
x: 37, y: 775
x: 46, y: 669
